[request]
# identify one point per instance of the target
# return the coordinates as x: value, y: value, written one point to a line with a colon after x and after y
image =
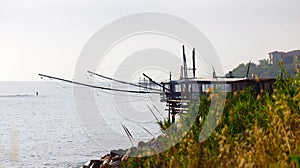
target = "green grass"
x: 254, y: 131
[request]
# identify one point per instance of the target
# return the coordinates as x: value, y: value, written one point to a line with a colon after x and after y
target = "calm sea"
x: 44, y: 130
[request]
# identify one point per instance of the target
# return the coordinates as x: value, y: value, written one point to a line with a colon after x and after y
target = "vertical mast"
x: 194, y: 64
x: 248, y: 70
x: 185, y: 91
x: 184, y: 63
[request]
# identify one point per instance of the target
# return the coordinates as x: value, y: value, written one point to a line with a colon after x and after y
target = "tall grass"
x: 254, y: 131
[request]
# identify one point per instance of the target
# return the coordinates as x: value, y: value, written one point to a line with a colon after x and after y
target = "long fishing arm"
x: 128, y: 83
x: 96, y: 87
x: 151, y: 80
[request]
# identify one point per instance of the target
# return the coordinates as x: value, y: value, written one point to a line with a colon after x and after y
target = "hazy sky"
x: 47, y: 36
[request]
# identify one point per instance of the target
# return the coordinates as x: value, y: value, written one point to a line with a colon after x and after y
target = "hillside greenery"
x: 264, y: 69
x: 254, y: 131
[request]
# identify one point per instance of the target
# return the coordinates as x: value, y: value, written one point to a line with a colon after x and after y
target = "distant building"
x: 287, y: 57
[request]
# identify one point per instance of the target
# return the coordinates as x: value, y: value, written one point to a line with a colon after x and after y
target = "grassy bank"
x: 254, y: 131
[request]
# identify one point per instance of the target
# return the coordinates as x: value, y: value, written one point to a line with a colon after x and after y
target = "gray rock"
x: 141, y: 144
x: 117, y: 152
x: 116, y: 164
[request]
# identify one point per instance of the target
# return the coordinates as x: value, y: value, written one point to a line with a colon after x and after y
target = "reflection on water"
x: 14, y: 145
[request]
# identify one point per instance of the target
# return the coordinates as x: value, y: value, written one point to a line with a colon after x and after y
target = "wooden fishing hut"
x: 178, y: 94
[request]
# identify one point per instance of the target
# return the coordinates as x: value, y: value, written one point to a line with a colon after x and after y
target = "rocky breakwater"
x: 116, y: 157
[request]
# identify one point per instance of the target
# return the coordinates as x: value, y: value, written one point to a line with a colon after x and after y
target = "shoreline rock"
x: 111, y: 160
x: 116, y: 157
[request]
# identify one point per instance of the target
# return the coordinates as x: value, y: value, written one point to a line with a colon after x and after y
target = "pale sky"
x: 47, y: 36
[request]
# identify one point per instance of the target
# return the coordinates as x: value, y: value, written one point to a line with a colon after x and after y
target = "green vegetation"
x: 254, y: 131
x: 265, y: 70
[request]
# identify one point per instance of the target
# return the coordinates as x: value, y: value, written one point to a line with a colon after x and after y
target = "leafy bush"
x: 254, y: 131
